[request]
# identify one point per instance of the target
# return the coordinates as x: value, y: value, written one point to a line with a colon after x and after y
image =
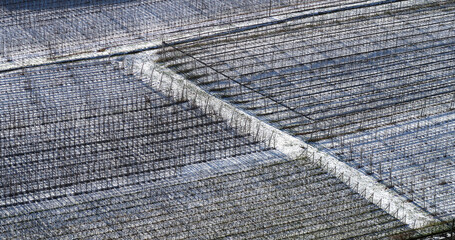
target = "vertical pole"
x: 270, y: 8
x: 452, y: 235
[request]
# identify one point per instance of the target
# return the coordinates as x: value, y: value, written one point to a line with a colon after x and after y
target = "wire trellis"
x: 54, y: 29
x: 273, y: 199
x: 85, y: 127
x: 373, y: 86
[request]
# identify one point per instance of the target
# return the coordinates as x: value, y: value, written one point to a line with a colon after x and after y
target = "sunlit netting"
x: 90, y: 151
x: 232, y: 199
x: 55, y: 28
x: 375, y: 86
x: 84, y: 127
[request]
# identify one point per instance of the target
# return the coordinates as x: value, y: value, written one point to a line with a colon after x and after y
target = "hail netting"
x: 52, y: 29
x: 374, y: 86
x: 88, y: 126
